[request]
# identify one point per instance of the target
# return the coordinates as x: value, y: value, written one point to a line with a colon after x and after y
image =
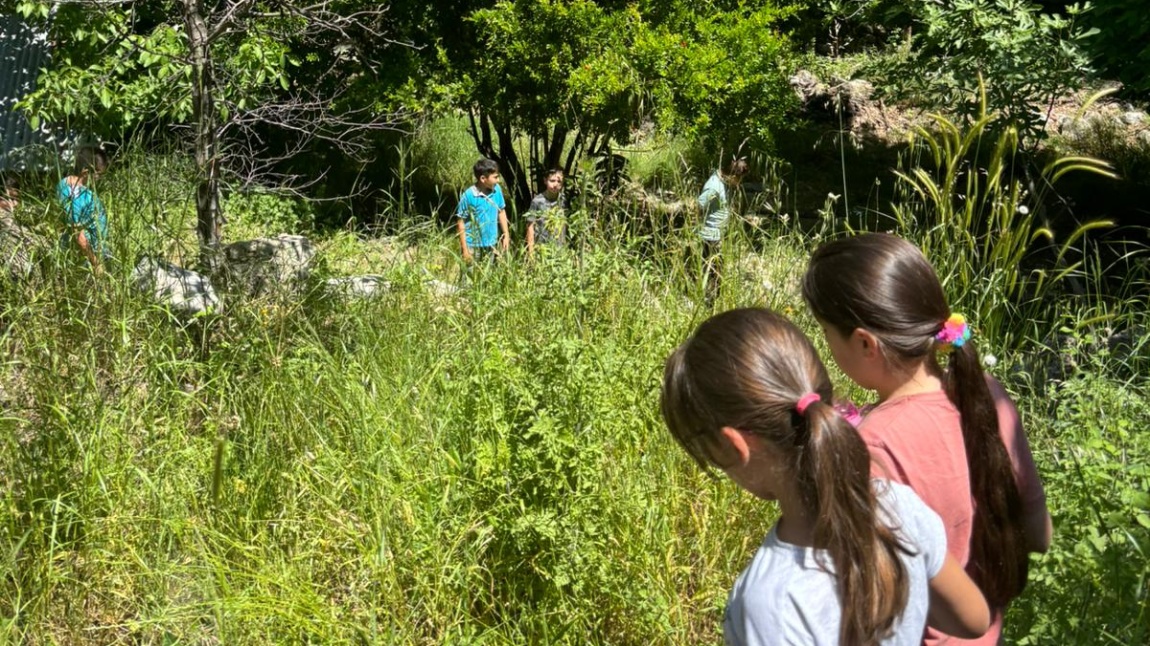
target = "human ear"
x: 866, y: 341
x: 735, y: 439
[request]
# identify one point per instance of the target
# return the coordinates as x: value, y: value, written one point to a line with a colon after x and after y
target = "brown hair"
x: 747, y: 369
x: 737, y: 167
x: 883, y: 284
x: 90, y: 158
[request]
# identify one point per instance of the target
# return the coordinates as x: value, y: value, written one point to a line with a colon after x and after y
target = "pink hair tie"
x: 805, y: 401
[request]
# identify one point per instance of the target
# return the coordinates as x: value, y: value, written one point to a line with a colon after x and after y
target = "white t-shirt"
x: 785, y: 597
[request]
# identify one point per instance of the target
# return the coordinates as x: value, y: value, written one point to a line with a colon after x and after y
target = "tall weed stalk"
x: 970, y: 211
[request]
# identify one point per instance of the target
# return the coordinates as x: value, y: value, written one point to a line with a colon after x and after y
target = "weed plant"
x: 968, y: 208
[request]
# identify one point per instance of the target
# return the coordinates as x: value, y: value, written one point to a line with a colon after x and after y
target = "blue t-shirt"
x: 83, y: 210
x: 480, y: 214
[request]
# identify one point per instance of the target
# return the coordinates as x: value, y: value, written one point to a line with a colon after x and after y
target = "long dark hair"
x: 747, y: 369
x: 883, y: 284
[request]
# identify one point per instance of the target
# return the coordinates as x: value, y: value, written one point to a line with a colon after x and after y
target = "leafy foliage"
x: 1098, y: 491
x: 1024, y: 57
x: 723, y: 80
x: 575, y: 77
x: 976, y: 221
x: 1121, y: 26
x: 121, y: 67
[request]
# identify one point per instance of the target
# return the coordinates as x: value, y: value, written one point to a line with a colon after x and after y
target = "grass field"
x: 486, y: 467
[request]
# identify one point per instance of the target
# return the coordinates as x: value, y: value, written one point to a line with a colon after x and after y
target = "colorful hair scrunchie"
x: 954, y: 333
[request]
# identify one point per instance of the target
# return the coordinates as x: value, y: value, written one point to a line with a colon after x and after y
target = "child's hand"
x: 504, y: 244
x: 467, y: 255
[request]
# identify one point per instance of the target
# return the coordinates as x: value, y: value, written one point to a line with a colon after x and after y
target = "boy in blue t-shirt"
x: 84, y: 214
x: 482, y: 208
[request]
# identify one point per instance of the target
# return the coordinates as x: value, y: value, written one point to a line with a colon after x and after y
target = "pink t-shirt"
x: 917, y: 440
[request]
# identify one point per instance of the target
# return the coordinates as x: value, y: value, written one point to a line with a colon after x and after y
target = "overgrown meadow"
x: 484, y: 466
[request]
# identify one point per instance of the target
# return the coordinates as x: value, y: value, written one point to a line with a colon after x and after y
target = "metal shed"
x: 23, y: 52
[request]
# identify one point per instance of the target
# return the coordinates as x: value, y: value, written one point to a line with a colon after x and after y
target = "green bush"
x: 1026, y: 59
x: 962, y: 195
x: 255, y: 213
x: 1092, y: 586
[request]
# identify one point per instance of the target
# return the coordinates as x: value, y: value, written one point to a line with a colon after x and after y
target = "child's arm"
x: 957, y: 606
x: 86, y: 247
x: 530, y: 237
x: 463, y: 240
x: 505, y: 242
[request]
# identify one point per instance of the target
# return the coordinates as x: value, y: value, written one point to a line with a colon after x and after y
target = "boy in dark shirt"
x: 545, y: 218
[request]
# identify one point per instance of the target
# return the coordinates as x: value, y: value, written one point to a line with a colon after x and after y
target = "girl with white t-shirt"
x: 851, y: 560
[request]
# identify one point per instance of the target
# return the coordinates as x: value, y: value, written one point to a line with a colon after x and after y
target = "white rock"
x: 358, y: 286
x: 1134, y: 117
x: 266, y: 265
x: 183, y: 290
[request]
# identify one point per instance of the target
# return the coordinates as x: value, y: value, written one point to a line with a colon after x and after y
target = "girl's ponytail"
x: 834, y: 478
x: 998, y: 539
x: 754, y: 371
x: 883, y: 284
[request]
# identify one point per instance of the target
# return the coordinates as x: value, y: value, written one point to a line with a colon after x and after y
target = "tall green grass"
x: 962, y: 196
x: 483, y: 468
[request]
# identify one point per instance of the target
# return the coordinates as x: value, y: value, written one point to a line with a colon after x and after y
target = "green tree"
x: 575, y: 77
x: 1026, y: 59
x: 232, y: 71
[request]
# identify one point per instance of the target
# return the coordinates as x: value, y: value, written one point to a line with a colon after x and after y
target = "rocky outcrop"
x: 16, y: 246
x: 265, y: 266
x: 861, y: 113
x: 182, y: 290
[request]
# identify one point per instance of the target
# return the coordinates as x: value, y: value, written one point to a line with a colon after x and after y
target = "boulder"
x: 861, y: 113
x: 810, y: 90
x: 357, y: 286
x: 1133, y: 117
x: 182, y: 290
x: 266, y: 265
x: 16, y: 245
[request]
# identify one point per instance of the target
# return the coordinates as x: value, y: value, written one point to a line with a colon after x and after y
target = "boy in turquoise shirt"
x: 482, y: 214
x: 84, y: 214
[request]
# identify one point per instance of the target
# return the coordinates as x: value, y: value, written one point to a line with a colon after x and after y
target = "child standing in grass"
x: 482, y: 214
x: 545, y: 219
x: 84, y: 213
x: 715, y: 207
x: 941, y: 425
x: 851, y: 560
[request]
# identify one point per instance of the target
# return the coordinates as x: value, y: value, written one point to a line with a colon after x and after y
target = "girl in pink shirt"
x: 852, y: 560
x: 941, y: 425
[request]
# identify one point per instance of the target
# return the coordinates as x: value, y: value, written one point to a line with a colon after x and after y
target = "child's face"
x: 554, y: 183
x: 487, y: 183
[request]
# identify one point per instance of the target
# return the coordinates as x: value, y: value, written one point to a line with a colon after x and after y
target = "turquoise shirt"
x: 480, y: 214
x: 83, y: 210
x: 713, y: 202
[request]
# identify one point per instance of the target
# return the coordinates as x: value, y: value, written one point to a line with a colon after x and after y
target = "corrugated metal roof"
x: 22, y: 53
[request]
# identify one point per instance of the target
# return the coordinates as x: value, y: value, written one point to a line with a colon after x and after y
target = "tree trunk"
x: 554, y: 152
x: 512, y: 168
x: 204, y: 121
